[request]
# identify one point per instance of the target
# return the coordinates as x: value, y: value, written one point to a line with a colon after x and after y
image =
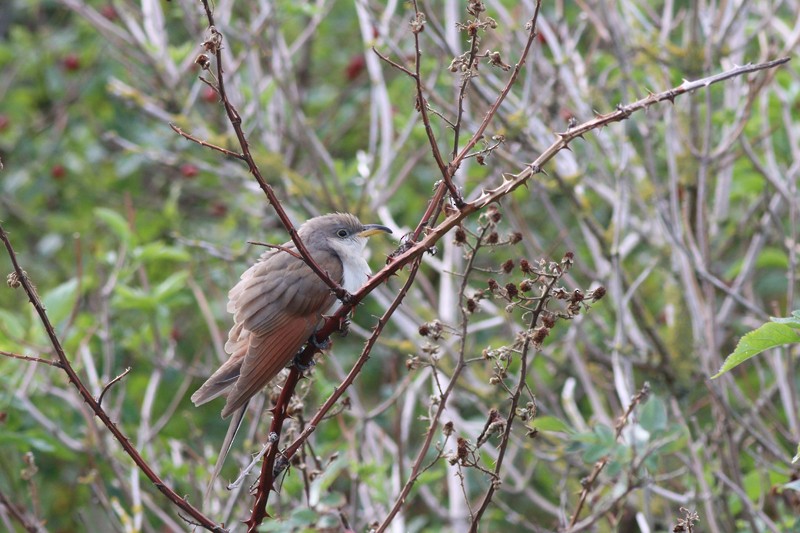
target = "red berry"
x: 109, y: 12
x: 209, y: 95
x: 71, y: 63
x: 58, y: 172
x: 355, y: 67
x: 218, y: 209
x: 189, y: 170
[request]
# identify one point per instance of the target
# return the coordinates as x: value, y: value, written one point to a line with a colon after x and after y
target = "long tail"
x: 233, y: 429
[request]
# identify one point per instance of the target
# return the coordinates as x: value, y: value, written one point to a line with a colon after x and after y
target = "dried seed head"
x: 471, y: 305
x: 508, y: 266
x: 461, y: 235
x: 515, y: 237
x: 203, y: 61
x: 598, y: 293
x: 447, y: 429
x: 539, y: 335
x: 525, y: 285
x: 525, y: 266
x: 511, y: 290
x: 493, y: 286
x: 493, y: 238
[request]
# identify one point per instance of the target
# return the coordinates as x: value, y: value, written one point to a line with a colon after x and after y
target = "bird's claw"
x: 321, y: 345
x: 344, y: 326
x: 301, y: 365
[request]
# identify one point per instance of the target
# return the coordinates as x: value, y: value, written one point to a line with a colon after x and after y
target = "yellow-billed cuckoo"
x: 279, y: 303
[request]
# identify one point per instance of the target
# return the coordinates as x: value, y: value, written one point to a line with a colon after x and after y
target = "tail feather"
x: 233, y: 429
x: 218, y: 383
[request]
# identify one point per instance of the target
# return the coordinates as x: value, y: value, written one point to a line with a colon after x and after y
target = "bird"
x: 279, y: 302
x: 277, y: 305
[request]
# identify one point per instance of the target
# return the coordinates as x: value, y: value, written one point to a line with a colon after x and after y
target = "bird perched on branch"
x: 280, y: 301
x: 277, y: 306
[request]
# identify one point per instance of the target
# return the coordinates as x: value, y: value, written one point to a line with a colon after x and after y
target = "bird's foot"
x: 321, y: 345
x: 301, y: 365
x: 344, y: 326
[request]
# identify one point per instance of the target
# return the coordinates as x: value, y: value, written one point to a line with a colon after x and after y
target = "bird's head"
x: 342, y: 232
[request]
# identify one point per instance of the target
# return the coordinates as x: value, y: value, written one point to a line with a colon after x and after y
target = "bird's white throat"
x: 355, y: 270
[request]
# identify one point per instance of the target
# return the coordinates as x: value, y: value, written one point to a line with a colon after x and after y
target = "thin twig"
x: 214, y: 45
x: 110, y: 384
x: 416, y: 469
x: 398, y: 66
x: 422, y: 106
x: 50, y: 362
x: 201, y: 142
x: 277, y: 247
x: 589, y: 481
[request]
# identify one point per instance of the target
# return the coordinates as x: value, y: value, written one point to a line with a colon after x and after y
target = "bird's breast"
x: 355, y: 272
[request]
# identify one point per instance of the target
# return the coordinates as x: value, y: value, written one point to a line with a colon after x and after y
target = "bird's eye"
x: 342, y: 233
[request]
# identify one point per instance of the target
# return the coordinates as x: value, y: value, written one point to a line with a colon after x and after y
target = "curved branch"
x: 94, y: 405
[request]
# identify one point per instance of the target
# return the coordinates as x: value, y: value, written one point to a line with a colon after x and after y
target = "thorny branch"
x: 180, y: 502
x: 417, y: 243
x: 213, y: 45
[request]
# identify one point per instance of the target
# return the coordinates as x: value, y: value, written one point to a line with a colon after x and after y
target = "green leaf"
x: 60, y: 301
x: 765, y: 337
x: 170, y: 286
x: 158, y: 251
x: 12, y: 323
x: 653, y: 416
x: 550, y: 423
x: 791, y: 321
x: 116, y: 223
x: 324, y: 480
x: 131, y: 298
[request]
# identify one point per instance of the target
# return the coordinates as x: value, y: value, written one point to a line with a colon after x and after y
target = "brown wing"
x: 277, y: 305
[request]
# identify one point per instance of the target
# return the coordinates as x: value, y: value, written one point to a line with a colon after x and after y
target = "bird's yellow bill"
x: 372, y: 229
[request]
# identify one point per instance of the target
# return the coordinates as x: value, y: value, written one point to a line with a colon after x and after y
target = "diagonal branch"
x: 269, y: 469
x: 94, y: 405
x: 214, y: 45
x: 413, y: 252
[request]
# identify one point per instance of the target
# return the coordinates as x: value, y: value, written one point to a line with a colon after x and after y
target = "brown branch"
x: 110, y: 384
x: 201, y: 142
x: 417, y: 469
x: 214, y: 45
x: 277, y: 247
x: 134, y: 454
x: 462, y: 92
x: 29, y: 524
x: 50, y: 362
x: 512, y: 410
x: 269, y: 470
